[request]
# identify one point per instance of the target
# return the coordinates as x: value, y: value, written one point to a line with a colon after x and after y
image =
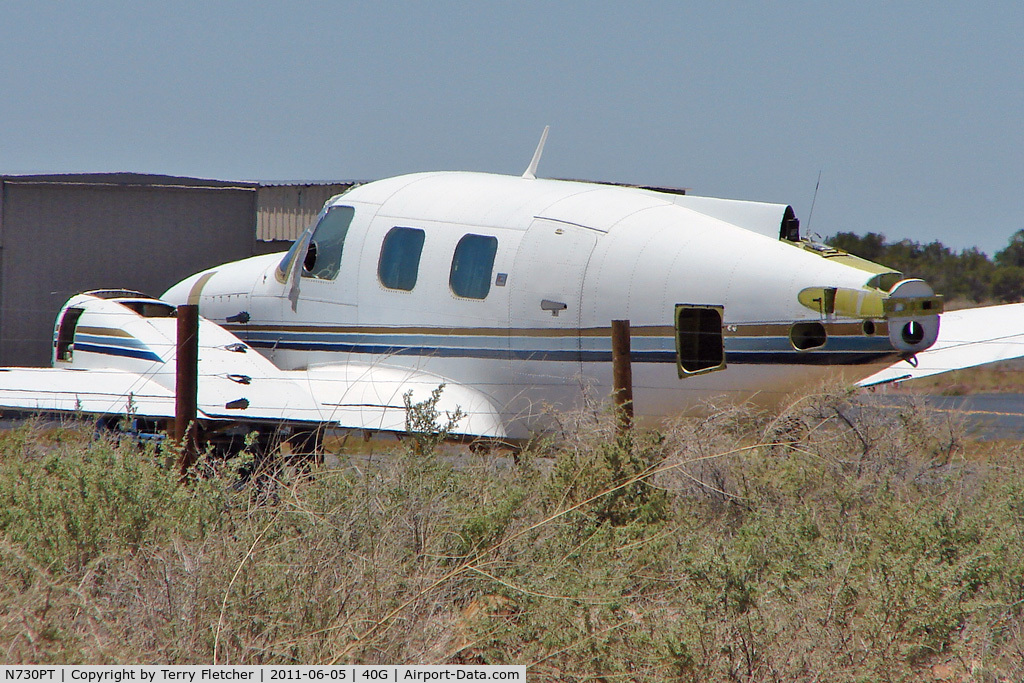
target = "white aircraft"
x: 502, y: 288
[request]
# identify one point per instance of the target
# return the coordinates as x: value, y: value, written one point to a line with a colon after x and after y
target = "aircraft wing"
x: 967, y: 338
x: 350, y: 396
x: 119, y: 361
x: 83, y: 391
x: 372, y: 397
x: 110, y: 391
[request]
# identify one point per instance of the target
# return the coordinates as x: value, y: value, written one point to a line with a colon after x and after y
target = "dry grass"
x: 831, y: 541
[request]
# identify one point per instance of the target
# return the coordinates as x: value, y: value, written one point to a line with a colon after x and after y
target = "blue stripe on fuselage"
x: 141, y: 354
x: 772, y: 353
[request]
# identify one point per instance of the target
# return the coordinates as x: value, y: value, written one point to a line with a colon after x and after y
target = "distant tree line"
x: 968, y: 275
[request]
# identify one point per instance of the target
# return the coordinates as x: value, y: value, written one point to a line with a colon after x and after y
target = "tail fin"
x: 531, y: 171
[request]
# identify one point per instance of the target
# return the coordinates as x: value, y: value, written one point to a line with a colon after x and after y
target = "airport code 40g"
x: 258, y: 674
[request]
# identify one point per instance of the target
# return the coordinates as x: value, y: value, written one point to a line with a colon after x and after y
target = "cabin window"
x: 699, y: 346
x: 399, y: 262
x: 66, y: 333
x: 472, y: 266
x: 323, y: 255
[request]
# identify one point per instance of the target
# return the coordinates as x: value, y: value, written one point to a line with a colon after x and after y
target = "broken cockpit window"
x: 323, y: 256
x: 321, y: 251
x: 284, y: 269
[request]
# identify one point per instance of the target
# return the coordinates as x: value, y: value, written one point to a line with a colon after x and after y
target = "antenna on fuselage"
x: 531, y: 171
x: 813, y: 199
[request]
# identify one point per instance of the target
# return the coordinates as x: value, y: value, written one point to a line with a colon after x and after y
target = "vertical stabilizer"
x: 531, y: 171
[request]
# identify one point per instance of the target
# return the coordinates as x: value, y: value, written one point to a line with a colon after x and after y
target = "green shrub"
x: 70, y: 502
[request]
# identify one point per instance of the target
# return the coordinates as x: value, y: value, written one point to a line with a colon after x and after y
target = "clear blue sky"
x: 914, y: 112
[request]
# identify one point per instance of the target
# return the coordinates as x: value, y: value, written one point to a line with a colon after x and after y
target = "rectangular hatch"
x: 699, y: 345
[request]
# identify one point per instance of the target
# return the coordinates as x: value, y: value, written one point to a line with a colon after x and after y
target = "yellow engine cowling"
x: 910, y: 307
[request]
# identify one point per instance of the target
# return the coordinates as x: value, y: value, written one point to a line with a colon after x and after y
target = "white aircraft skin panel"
x: 329, y: 294
x: 601, y: 209
x: 376, y: 395
x: 479, y: 199
x: 313, y: 337
x: 268, y: 397
x: 656, y: 264
x: 380, y: 191
x: 71, y: 391
x: 550, y: 270
x: 762, y: 218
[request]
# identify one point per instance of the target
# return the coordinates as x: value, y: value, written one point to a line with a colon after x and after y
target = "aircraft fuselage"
x: 509, y: 285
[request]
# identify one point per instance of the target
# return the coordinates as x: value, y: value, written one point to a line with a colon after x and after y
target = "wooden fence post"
x: 186, y: 385
x: 622, y: 376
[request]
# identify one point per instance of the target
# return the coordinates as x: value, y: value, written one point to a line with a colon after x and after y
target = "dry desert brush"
x: 832, y: 540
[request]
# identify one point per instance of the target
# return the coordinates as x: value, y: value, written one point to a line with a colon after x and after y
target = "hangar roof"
x: 284, y: 209
x: 123, y: 179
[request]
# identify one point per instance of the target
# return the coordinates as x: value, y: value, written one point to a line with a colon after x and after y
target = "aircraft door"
x: 544, y: 307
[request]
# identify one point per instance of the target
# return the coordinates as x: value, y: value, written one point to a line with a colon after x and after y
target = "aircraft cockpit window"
x: 399, y: 262
x: 472, y: 266
x: 284, y: 269
x: 323, y: 256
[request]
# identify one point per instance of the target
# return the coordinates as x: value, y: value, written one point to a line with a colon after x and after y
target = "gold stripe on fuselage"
x: 833, y: 329
x: 103, y: 331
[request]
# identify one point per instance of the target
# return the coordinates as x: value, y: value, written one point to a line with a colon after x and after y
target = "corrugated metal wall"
x: 284, y: 211
x: 64, y: 235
